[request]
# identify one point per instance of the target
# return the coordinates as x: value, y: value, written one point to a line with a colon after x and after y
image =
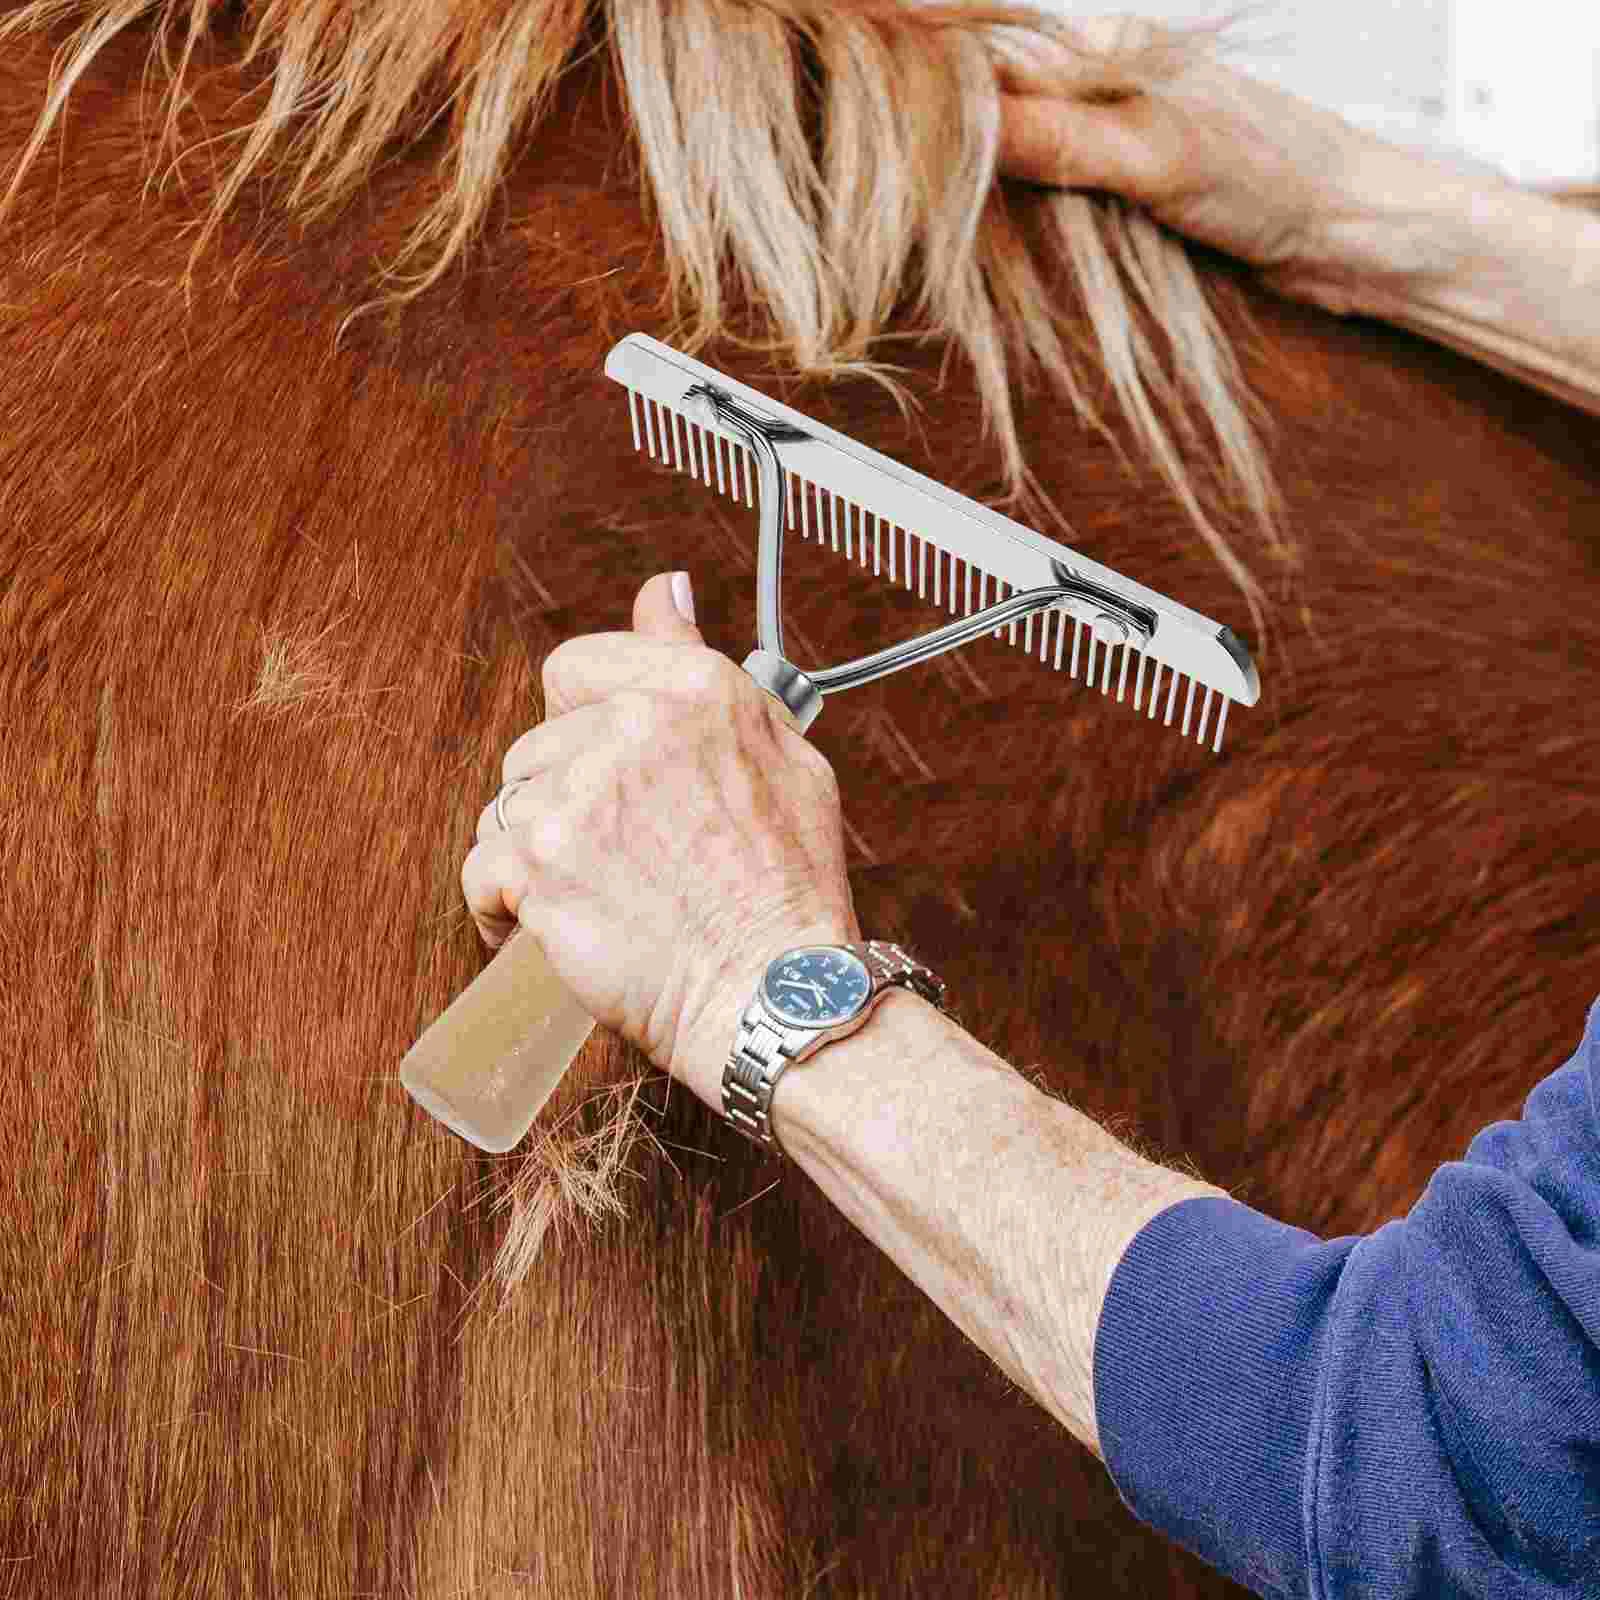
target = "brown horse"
x: 279, y: 566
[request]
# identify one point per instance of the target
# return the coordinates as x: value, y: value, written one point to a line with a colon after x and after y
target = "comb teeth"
x: 829, y: 516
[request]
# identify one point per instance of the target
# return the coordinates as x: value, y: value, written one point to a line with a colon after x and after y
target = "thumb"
x: 656, y: 613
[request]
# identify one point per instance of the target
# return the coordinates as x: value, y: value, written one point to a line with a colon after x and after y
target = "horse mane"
x: 897, y: 198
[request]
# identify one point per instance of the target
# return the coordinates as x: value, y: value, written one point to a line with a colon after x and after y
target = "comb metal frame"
x: 1043, y: 575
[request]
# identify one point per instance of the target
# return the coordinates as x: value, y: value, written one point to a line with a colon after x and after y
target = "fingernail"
x: 683, y: 596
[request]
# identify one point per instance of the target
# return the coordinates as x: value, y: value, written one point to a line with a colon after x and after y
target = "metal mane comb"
x: 827, y: 472
x: 488, y: 1064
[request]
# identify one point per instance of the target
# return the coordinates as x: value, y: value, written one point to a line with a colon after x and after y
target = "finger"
x: 591, y: 666
x: 1050, y: 140
x: 1036, y: 144
x: 586, y: 668
x: 494, y: 879
x: 656, y: 613
x: 550, y: 747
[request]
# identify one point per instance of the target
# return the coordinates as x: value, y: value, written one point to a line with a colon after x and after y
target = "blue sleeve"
x: 1412, y: 1412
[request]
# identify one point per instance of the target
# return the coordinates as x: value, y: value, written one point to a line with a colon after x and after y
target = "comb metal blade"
x: 838, y: 486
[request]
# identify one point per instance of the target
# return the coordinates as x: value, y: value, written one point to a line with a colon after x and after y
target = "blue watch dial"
x: 816, y: 986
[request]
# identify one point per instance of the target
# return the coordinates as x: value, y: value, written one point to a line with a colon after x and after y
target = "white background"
x: 1516, y: 87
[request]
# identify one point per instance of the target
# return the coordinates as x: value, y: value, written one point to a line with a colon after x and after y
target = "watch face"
x: 816, y: 986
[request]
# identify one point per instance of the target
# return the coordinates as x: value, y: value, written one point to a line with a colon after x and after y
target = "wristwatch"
x: 808, y: 997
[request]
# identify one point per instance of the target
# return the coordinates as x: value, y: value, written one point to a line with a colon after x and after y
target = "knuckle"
x: 545, y: 839
x: 822, y: 773
x: 553, y: 673
x: 641, y: 714
x: 479, y: 890
x: 710, y: 674
x: 508, y: 764
x: 805, y: 755
x: 822, y: 766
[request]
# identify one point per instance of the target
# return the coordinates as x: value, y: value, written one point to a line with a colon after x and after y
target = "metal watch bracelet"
x: 761, y: 1051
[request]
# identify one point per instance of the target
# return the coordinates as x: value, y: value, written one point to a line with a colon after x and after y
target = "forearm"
x: 1009, y: 1209
x: 1500, y: 273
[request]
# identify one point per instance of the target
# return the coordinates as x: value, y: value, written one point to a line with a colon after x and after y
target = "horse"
x: 282, y: 555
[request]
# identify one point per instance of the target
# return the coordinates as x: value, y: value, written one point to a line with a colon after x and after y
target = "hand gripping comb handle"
x: 494, y: 1056
x: 490, y: 1061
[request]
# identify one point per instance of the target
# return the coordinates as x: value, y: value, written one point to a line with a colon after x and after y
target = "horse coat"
x: 278, y: 569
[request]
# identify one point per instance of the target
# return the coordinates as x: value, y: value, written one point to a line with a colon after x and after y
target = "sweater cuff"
x: 1206, y: 1359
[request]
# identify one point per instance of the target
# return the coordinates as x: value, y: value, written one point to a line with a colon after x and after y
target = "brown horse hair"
x: 272, y: 609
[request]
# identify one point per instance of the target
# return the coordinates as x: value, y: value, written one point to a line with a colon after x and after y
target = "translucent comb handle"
x: 494, y: 1056
x: 496, y: 1053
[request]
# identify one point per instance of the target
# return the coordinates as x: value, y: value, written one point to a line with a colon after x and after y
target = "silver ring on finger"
x: 499, y: 801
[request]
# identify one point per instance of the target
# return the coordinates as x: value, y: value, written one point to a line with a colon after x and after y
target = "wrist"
x: 709, y: 1039
x: 1506, y: 276
x: 884, y: 1064
x: 1397, y: 227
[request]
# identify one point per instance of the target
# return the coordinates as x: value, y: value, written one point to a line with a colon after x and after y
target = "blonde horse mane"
x: 900, y: 199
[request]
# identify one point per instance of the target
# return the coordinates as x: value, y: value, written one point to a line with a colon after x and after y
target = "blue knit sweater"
x: 1415, y: 1411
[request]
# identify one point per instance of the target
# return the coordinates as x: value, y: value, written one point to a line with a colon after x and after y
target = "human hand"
x: 1321, y: 207
x: 675, y: 835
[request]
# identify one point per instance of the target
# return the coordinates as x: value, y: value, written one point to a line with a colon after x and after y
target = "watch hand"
x: 815, y: 989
